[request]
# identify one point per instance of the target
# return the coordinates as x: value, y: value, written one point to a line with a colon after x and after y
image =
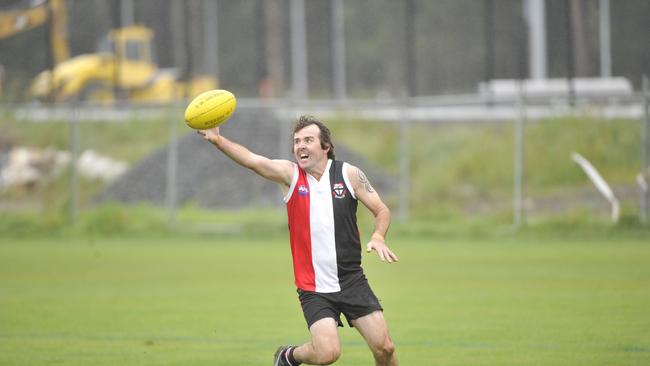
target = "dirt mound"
x: 207, y: 177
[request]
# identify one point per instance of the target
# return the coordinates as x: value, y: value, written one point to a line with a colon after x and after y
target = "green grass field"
x: 215, y: 300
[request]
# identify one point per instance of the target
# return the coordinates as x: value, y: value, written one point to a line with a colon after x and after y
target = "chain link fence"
x: 430, y: 161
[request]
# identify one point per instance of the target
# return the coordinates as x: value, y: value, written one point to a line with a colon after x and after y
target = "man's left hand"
x: 385, y: 254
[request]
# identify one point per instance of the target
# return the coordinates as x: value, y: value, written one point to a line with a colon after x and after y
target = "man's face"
x: 307, y: 149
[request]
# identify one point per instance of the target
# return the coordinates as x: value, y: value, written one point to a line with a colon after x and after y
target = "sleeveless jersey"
x: 323, y: 229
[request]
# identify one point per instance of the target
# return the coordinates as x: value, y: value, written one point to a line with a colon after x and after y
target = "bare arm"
x: 370, y: 198
x: 279, y: 171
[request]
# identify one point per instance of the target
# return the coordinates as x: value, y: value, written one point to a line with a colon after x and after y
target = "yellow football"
x: 210, y: 109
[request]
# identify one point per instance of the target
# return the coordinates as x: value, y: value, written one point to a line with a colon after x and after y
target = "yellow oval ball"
x: 210, y: 109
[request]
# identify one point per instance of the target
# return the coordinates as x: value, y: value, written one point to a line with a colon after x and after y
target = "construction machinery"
x: 16, y: 21
x: 123, y: 68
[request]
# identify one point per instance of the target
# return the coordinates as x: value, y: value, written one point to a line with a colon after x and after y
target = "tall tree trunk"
x: 579, y: 38
x: 273, y: 84
x: 195, y: 41
x: 178, y: 35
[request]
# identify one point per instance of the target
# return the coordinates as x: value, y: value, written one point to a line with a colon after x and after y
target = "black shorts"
x: 354, y: 302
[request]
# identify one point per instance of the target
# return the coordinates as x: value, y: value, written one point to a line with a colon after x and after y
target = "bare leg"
x: 374, y: 329
x: 324, y: 348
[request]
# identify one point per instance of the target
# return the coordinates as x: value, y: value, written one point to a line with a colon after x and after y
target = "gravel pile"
x: 211, y: 180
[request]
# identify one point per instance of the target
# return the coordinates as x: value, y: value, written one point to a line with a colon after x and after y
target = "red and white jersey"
x: 323, y: 229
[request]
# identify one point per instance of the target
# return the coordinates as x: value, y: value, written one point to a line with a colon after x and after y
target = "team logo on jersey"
x: 338, y: 190
x: 302, y: 190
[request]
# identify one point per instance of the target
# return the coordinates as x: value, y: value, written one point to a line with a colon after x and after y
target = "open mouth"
x: 303, y: 157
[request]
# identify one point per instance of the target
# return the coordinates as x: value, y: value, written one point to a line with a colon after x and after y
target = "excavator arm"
x: 16, y: 21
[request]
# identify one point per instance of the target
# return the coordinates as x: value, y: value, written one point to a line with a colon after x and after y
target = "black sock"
x: 289, y: 354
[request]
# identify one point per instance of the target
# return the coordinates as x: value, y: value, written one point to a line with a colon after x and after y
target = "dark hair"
x: 325, y: 134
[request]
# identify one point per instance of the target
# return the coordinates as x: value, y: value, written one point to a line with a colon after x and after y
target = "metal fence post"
x: 172, y: 167
x: 518, y: 200
x: 285, y: 138
x: 404, y: 161
x: 74, y: 157
x: 644, y: 174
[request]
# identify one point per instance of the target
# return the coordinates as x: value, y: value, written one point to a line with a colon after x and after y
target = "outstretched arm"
x: 370, y: 198
x: 279, y: 171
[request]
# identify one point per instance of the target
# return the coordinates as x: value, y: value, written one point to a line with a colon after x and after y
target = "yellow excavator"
x: 123, y: 67
x: 13, y: 22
